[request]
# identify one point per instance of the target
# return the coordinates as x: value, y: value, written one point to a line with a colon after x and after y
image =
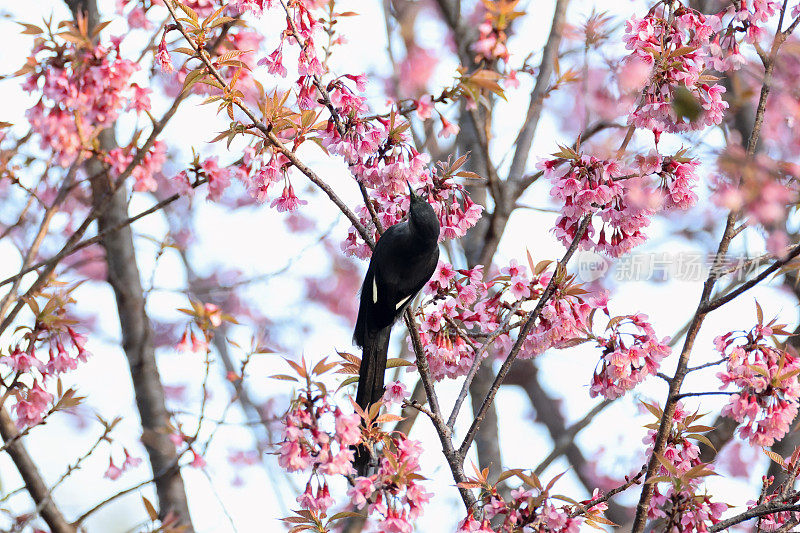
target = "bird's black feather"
x: 404, y: 259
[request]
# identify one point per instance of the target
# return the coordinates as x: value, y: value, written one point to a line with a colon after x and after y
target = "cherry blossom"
x: 628, y: 357
x: 686, y: 37
x: 767, y: 399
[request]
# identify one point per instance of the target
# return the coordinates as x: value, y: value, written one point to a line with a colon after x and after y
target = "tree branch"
x: 35, y: 485
x: 523, y: 333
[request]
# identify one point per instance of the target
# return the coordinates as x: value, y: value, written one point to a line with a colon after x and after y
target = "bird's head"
x: 421, y: 215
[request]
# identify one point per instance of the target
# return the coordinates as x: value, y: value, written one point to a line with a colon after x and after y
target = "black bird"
x: 404, y: 259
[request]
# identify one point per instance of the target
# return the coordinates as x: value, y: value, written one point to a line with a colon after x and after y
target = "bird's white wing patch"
x: 374, y: 291
x: 402, y: 302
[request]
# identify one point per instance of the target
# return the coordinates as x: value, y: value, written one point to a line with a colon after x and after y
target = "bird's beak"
x: 410, y: 190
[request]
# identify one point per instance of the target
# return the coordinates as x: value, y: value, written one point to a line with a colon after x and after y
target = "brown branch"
x: 99, y: 236
x: 567, y: 437
x: 774, y: 506
x: 108, y: 428
x: 49, y: 213
x: 523, y: 333
x: 539, y: 92
x: 581, y: 509
x: 722, y: 300
x: 34, y: 484
x: 665, y: 424
x: 478, y: 351
x: 454, y: 459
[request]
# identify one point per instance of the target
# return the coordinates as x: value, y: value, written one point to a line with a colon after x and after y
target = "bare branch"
x: 546, y: 67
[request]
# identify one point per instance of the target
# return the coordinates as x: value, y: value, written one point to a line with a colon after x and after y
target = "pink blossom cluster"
x: 218, y: 178
x: 393, y: 496
x: 460, y: 296
x: 288, y: 200
x: 83, y: 91
x: 113, y: 472
x: 162, y: 57
x: 682, y: 453
x: 192, y: 343
x: 470, y: 525
x: 308, y: 27
x: 586, y: 186
x: 684, y: 510
x: 262, y: 172
x: 677, y: 49
x: 629, y: 357
x: 320, y: 437
x: 346, y: 101
x: 565, y: 318
x: 766, y: 379
x: 387, y: 175
x: 307, y: 444
x: 675, y: 177
x: 679, y: 504
x: 753, y: 15
x: 491, y: 42
x: 763, y: 188
x: 526, y: 510
x: 32, y: 404
x: 377, y: 162
x: 145, y: 173
x: 33, y: 401
x: 462, y: 303
x: 256, y: 7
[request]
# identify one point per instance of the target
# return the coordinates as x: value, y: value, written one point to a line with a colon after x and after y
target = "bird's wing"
x: 397, y: 272
x: 398, y: 279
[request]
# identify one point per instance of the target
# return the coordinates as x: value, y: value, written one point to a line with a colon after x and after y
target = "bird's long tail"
x: 370, y: 382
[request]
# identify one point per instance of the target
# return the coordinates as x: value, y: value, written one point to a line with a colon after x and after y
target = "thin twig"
x: 523, y: 333
x: 582, y: 508
x: 476, y: 363
x: 665, y: 424
x: 722, y: 300
x: 567, y: 438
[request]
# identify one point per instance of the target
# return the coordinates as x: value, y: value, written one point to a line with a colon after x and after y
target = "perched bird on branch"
x: 404, y: 259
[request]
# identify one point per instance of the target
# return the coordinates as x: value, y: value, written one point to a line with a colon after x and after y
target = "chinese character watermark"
x: 664, y: 266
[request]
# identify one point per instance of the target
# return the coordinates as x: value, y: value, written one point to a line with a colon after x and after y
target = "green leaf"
x: 192, y: 78
x: 509, y: 473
